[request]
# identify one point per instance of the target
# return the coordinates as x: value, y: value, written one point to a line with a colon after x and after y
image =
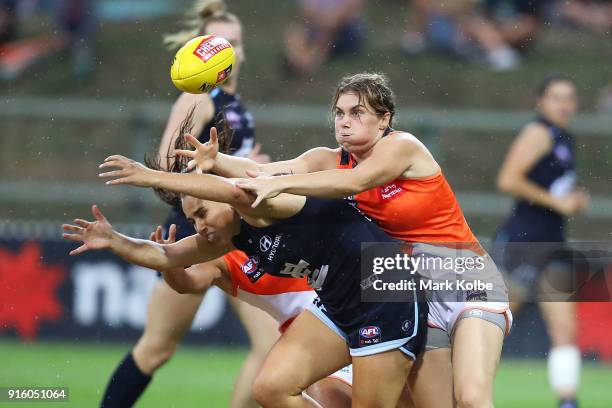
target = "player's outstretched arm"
x: 390, y: 159
x: 206, y: 157
x: 99, y: 234
x: 195, y: 279
x: 203, y: 186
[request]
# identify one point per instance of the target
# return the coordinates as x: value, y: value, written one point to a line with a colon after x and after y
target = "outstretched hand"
x: 260, y: 184
x: 158, y: 235
x: 203, y: 157
x: 94, y: 235
x: 130, y: 172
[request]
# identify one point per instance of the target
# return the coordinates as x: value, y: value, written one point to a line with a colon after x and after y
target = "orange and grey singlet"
x: 414, y: 210
x: 425, y: 211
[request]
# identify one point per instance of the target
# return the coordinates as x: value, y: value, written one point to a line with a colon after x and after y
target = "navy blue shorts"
x: 380, y: 327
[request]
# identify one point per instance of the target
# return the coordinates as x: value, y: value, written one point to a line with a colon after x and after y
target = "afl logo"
x: 369, y: 332
x: 250, y: 265
x: 265, y: 243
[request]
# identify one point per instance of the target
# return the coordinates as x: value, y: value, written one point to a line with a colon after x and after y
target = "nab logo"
x: 369, y: 332
x: 265, y: 243
x: 250, y: 265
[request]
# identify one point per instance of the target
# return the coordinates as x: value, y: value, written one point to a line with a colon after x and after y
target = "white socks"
x: 564, y: 368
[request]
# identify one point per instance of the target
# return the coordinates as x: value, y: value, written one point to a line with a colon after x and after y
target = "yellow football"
x: 202, y: 64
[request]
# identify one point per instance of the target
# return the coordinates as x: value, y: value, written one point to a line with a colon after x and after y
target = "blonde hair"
x: 203, y: 13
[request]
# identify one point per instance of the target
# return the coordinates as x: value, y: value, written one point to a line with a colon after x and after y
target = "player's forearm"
x: 141, y: 252
x: 526, y: 190
x: 205, y: 187
x: 182, y: 281
x: 324, y: 184
x: 230, y: 166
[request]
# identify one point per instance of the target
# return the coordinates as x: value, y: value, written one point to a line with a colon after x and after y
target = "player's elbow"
x: 506, y: 183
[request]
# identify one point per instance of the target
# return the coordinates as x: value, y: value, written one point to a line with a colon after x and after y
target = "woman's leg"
x: 564, y: 357
x: 169, y: 317
x: 430, y: 382
x: 380, y: 378
x: 308, y: 351
x: 331, y: 392
x: 476, y: 350
x: 263, y: 332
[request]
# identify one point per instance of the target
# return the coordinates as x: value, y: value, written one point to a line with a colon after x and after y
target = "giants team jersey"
x: 414, y: 210
x: 281, y: 298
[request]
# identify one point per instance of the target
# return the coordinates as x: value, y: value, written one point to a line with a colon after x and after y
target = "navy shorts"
x: 380, y: 327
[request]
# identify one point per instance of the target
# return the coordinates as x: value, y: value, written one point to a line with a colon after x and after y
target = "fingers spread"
x: 79, y: 250
x: 74, y: 228
x: 81, y: 222
x: 185, y: 153
x: 72, y: 237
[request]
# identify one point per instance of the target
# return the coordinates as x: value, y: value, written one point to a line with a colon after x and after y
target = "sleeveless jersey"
x: 239, y: 120
x: 556, y: 173
x: 414, y: 210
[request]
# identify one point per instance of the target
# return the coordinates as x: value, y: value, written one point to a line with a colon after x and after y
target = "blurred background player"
x: 329, y: 28
x: 539, y: 172
x: 75, y: 33
x: 170, y: 314
x: 492, y: 30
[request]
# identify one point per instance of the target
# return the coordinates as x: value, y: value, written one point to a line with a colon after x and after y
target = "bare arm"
x: 195, y: 279
x: 531, y: 145
x: 99, y: 234
x: 315, y: 159
x: 203, y: 186
x: 398, y: 155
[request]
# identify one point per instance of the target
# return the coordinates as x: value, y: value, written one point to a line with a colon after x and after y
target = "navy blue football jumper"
x: 555, y: 172
x: 323, y: 243
x: 241, y: 123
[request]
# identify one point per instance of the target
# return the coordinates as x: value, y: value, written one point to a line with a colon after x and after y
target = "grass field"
x: 204, y: 376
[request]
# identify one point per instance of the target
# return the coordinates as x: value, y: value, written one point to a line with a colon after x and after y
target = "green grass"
x: 204, y: 376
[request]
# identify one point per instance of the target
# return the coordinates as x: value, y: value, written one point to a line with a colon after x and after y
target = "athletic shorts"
x: 441, y: 338
x: 446, y: 307
x: 380, y: 327
x: 344, y: 374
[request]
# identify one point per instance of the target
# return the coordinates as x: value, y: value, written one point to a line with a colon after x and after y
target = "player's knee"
x: 562, y: 334
x: 269, y: 391
x: 473, y: 394
x: 152, y: 354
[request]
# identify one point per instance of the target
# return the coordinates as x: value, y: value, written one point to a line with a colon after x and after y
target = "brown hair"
x: 550, y: 80
x: 178, y: 164
x: 374, y: 88
x: 205, y: 12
